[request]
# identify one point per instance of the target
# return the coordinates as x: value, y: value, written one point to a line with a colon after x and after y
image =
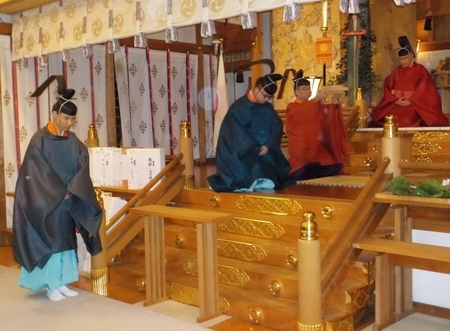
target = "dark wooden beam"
x: 161, y: 45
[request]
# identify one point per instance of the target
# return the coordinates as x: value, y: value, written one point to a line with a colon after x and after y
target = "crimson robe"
x: 415, y: 84
x: 317, y: 137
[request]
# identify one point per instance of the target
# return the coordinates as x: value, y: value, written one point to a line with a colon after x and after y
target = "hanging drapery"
x: 349, y: 6
x: 192, y: 100
x: 157, y: 91
x: 9, y: 154
x: 65, y: 25
x: 178, y: 96
x: 139, y: 95
x: 158, y: 62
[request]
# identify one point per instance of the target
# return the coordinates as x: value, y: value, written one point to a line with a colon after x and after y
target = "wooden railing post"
x: 391, y: 145
x: 187, y: 149
x: 309, y: 287
x: 99, y: 267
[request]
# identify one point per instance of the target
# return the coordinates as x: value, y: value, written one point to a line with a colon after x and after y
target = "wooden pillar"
x: 208, y: 277
x: 5, y: 29
x: 110, y: 95
x: 353, y: 60
x: 383, y: 292
x: 391, y: 145
x: 309, y: 287
x: 99, y: 267
x: 155, y: 268
x: 187, y: 148
x: 201, y: 109
x: 256, y: 52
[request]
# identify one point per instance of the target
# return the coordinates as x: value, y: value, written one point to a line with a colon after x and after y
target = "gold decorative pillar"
x: 99, y: 267
x: 187, y: 148
x: 391, y: 145
x: 92, y: 138
x: 309, y: 288
x: 361, y: 103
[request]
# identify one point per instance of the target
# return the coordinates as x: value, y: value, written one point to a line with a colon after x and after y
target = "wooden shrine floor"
x: 351, y: 191
x: 200, y: 173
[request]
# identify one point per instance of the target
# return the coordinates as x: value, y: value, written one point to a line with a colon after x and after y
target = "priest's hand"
x: 402, y: 102
x: 263, y: 150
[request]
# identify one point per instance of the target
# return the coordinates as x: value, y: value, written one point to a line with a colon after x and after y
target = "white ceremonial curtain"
x: 87, y: 77
x: 192, y: 100
x: 121, y: 70
x: 157, y: 90
x: 160, y: 99
x: 178, y: 78
x: 8, y: 120
x: 24, y: 115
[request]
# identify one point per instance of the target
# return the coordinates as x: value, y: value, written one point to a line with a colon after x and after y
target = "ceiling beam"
x: 10, y: 7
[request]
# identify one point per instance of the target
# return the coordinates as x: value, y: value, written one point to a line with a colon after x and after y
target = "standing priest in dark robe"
x: 410, y: 94
x: 249, y: 155
x: 54, y: 195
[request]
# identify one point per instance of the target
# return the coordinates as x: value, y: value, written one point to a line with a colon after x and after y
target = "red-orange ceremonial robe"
x: 415, y: 84
x: 317, y: 138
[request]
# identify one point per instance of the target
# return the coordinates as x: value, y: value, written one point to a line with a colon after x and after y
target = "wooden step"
x: 238, y: 325
x: 129, y: 275
x: 7, y: 236
x: 115, y: 291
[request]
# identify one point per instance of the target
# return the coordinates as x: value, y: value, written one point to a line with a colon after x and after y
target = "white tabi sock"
x: 55, y: 295
x: 64, y: 290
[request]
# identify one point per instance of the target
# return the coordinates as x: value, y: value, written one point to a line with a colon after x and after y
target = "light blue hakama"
x: 61, y: 269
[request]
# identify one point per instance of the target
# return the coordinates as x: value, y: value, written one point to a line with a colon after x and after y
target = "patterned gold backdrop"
x: 294, y: 44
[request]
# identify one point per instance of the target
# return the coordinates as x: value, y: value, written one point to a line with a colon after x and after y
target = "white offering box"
x: 105, y: 165
x: 140, y: 165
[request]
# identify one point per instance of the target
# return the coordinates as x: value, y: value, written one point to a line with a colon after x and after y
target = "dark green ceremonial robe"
x: 245, y: 128
x: 43, y: 222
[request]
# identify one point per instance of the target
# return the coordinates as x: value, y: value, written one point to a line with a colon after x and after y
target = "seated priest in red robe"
x: 410, y: 94
x: 317, y: 137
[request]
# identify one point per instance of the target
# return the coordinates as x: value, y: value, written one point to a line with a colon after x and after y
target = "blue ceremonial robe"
x: 247, y: 127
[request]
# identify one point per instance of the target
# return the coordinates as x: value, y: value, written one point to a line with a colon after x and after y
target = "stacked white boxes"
x: 130, y: 168
x: 105, y: 166
x: 140, y: 165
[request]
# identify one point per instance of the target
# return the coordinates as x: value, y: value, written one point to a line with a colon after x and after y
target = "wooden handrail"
x: 410, y: 255
x: 129, y: 218
x: 132, y: 202
x: 363, y: 217
x: 433, y: 166
x: 124, y: 226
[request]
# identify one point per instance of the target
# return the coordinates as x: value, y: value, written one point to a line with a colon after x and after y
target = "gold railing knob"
x: 140, y: 284
x: 254, y: 315
x: 274, y: 288
x: 327, y: 211
x: 292, y: 261
x: 214, y: 200
x: 179, y: 241
x: 368, y: 161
